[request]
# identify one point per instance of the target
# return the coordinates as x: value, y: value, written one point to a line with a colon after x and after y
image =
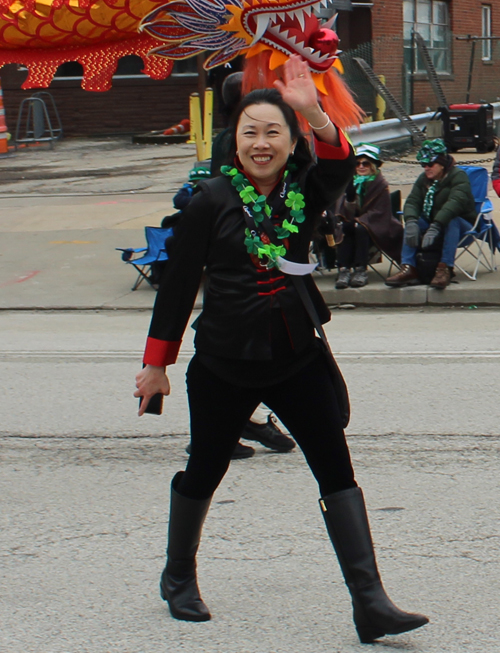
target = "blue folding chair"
x: 155, y: 252
x: 483, y: 238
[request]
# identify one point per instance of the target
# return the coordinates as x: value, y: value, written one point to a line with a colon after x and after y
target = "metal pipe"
x: 471, y: 66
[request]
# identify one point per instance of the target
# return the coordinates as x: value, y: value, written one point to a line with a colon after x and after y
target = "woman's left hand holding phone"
x: 151, y: 380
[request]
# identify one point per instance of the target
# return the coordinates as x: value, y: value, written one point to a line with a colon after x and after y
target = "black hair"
x: 231, y: 92
x: 447, y: 161
x: 302, y: 155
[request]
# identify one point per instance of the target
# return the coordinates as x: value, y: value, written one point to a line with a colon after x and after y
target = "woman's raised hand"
x: 149, y: 381
x: 298, y: 89
x: 299, y: 92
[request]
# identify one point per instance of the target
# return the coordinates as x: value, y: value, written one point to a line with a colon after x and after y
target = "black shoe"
x: 375, y: 615
x: 178, y: 583
x: 240, y: 451
x: 344, y: 279
x: 268, y: 435
x: 360, y: 278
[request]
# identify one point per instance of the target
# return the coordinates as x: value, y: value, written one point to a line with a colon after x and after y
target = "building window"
x: 431, y: 19
x: 486, y: 31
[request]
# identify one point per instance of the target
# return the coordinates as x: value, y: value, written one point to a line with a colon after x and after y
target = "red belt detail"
x: 272, y: 292
x: 259, y: 283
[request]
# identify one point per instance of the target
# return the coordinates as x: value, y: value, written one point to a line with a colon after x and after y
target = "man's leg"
x: 262, y: 428
x: 408, y: 276
x: 455, y: 231
x: 453, y: 234
x: 409, y: 254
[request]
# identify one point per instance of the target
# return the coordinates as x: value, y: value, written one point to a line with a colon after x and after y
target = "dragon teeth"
x: 282, y: 15
x: 299, y: 15
x: 318, y: 57
x: 262, y: 21
x: 330, y: 23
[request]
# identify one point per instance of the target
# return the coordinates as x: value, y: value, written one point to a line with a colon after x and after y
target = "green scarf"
x: 429, y: 199
x: 360, y: 182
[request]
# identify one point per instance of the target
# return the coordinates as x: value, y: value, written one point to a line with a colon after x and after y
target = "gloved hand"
x: 350, y: 192
x: 431, y: 235
x: 412, y: 234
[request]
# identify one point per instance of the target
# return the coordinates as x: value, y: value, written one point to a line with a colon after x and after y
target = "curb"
x: 350, y: 298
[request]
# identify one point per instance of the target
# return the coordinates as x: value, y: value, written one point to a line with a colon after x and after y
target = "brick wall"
x: 387, y: 29
x: 131, y: 106
x: 465, y: 18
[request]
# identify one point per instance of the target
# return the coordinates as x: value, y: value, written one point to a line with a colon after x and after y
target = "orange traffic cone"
x: 3, y: 127
x: 181, y: 128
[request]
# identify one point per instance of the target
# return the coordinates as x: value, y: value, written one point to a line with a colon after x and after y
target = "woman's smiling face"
x: 263, y: 142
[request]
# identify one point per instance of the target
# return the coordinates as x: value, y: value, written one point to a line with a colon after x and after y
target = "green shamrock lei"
x: 259, y: 207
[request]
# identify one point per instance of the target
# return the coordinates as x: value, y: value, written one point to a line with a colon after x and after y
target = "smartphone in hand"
x: 155, y: 405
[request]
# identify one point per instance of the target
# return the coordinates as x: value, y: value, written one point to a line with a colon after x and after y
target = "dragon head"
x: 267, y: 32
x: 187, y: 27
x: 287, y: 28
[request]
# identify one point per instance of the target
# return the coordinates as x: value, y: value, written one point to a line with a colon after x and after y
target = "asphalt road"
x: 84, y: 494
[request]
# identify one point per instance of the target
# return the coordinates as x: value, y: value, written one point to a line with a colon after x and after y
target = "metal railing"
x: 385, y: 131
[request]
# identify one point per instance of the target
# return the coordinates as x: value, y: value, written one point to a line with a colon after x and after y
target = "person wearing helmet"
x: 365, y: 211
x: 438, y: 212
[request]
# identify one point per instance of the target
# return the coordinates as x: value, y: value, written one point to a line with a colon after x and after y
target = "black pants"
x: 305, y: 403
x: 353, y: 251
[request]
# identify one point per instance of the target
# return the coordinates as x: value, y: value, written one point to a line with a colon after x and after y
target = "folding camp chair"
x: 483, y: 238
x: 155, y: 252
x: 376, y: 254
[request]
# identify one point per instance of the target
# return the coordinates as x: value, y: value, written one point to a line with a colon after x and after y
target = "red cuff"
x: 325, y: 151
x: 496, y: 186
x: 160, y: 352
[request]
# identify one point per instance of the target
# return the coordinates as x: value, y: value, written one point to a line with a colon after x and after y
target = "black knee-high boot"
x: 178, y: 583
x: 374, y: 613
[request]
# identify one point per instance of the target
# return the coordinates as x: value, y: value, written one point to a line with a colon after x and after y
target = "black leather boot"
x: 374, y: 613
x: 178, y: 583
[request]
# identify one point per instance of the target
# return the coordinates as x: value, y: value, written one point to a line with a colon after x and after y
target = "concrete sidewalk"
x: 63, y: 213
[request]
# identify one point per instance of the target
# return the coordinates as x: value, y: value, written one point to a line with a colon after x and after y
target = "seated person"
x: 365, y: 211
x: 185, y: 192
x: 438, y: 212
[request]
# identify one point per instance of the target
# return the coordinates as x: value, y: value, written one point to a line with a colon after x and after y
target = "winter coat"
x: 453, y: 199
x: 241, y: 293
x: 376, y: 216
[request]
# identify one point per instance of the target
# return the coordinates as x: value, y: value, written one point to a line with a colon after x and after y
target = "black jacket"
x: 239, y: 295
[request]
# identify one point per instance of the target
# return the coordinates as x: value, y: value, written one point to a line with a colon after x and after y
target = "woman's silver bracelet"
x: 317, y: 129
